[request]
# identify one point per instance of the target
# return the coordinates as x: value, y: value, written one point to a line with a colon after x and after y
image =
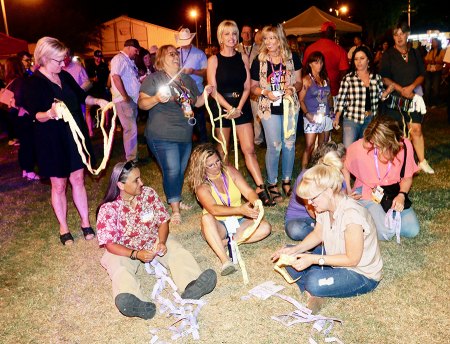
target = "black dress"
x: 57, y: 154
x: 230, y: 78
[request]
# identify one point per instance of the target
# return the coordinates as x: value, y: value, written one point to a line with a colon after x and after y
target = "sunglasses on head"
x: 129, y: 165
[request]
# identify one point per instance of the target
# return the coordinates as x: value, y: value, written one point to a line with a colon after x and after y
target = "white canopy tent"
x: 310, y: 21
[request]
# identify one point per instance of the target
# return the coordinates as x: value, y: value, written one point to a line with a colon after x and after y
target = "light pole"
x: 194, y: 14
x: 4, y: 17
x: 341, y: 10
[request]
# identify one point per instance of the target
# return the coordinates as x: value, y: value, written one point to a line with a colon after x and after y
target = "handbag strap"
x: 402, y: 171
x: 9, y: 83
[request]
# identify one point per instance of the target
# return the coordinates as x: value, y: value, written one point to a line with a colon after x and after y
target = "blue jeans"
x: 298, y: 229
x: 410, y: 224
x: 276, y: 145
x: 327, y: 281
x: 353, y: 131
x: 172, y: 158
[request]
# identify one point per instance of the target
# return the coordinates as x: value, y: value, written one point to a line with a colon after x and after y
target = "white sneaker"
x: 424, y: 166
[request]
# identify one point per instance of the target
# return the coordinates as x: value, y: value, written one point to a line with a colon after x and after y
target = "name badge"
x: 377, y: 194
x: 232, y: 224
x: 147, y: 216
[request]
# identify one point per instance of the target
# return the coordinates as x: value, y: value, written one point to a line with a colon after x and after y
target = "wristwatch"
x: 321, y: 261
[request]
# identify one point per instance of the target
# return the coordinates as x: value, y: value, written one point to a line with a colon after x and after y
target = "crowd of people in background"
x: 346, y: 197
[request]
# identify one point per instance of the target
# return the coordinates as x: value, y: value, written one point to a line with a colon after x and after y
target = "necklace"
x: 403, y: 52
x: 215, y: 176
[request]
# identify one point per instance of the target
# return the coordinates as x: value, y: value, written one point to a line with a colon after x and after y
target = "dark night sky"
x: 32, y: 19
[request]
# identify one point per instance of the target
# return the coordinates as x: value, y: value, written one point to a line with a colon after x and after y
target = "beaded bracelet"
x: 132, y: 255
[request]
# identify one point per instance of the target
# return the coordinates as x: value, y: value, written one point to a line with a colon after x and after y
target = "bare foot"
x: 315, y: 303
x: 175, y: 219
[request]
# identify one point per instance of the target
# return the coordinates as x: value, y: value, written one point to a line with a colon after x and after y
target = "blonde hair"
x: 225, y: 24
x: 161, y: 54
x: 325, y: 175
x: 196, y: 173
x: 46, y: 48
x: 385, y: 134
x: 278, y: 31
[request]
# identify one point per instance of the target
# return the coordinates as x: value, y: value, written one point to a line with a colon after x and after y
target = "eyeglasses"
x: 214, y: 164
x: 129, y: 165
x: 313, y: 200
x: 173, y: 54
x: 58, y: 61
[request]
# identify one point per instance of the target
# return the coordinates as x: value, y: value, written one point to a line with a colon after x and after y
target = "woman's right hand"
x: 162, y: 95
x: 310, y: 117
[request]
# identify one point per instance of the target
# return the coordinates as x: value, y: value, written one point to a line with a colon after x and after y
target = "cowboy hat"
x: 184, y: 37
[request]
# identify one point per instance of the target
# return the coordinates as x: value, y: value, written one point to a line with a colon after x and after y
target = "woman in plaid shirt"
x: 358, y: 96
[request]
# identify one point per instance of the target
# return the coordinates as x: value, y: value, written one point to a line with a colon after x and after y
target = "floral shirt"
x: 136, y: 228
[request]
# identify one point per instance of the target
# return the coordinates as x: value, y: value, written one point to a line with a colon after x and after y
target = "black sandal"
x: 65, y: 238
x: 286, y: 185
x: 264, y: 197
x: 274, y: 193
x: 88, y: 231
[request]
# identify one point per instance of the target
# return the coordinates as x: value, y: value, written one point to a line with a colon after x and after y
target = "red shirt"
x: 137, y: 228
x: 335, y: 60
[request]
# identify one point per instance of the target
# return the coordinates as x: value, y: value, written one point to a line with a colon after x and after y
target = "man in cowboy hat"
x: 125, y: 87
x: 193, y: 61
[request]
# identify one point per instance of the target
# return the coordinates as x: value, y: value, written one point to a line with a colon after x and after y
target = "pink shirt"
x: 360, y: 162
x: 136, y: 228
x: 335, y: 60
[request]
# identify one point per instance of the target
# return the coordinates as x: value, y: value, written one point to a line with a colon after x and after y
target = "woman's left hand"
x: 398, y: 203
x: 209, y: 89
x: 303, y: 262
x: 232, y: 113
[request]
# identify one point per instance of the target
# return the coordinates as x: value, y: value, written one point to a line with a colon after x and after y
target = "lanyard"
x: 225, y: 183
x: 181, y: 87
x: 183, y: 61
x: 375, y: 158
x: 276, y: 75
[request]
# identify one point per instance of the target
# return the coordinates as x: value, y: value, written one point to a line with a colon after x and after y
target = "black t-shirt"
x: 276, y: 76
x: 394, y: 67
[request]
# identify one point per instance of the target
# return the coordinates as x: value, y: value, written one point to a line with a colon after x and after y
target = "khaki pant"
x: 127, y: 113
x: 122, y: 270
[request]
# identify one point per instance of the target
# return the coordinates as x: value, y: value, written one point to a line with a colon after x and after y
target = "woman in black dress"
x: 57, y: 154
x: 228, y: 72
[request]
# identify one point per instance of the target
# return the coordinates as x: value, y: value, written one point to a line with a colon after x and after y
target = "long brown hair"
x: 119, y: 174
x: 13, y: 68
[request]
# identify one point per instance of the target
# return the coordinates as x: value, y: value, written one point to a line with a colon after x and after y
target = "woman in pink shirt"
x: 376, y: 160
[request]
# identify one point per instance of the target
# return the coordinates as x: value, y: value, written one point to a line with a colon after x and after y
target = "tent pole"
x: 4, y: 17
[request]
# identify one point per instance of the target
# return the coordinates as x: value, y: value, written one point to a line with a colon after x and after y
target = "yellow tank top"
x: 234, y: 193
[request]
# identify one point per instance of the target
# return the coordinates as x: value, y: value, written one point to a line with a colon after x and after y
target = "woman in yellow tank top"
x: 219, y: 189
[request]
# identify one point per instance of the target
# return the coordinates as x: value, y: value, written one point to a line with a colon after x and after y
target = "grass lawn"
x: 55, y: 294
